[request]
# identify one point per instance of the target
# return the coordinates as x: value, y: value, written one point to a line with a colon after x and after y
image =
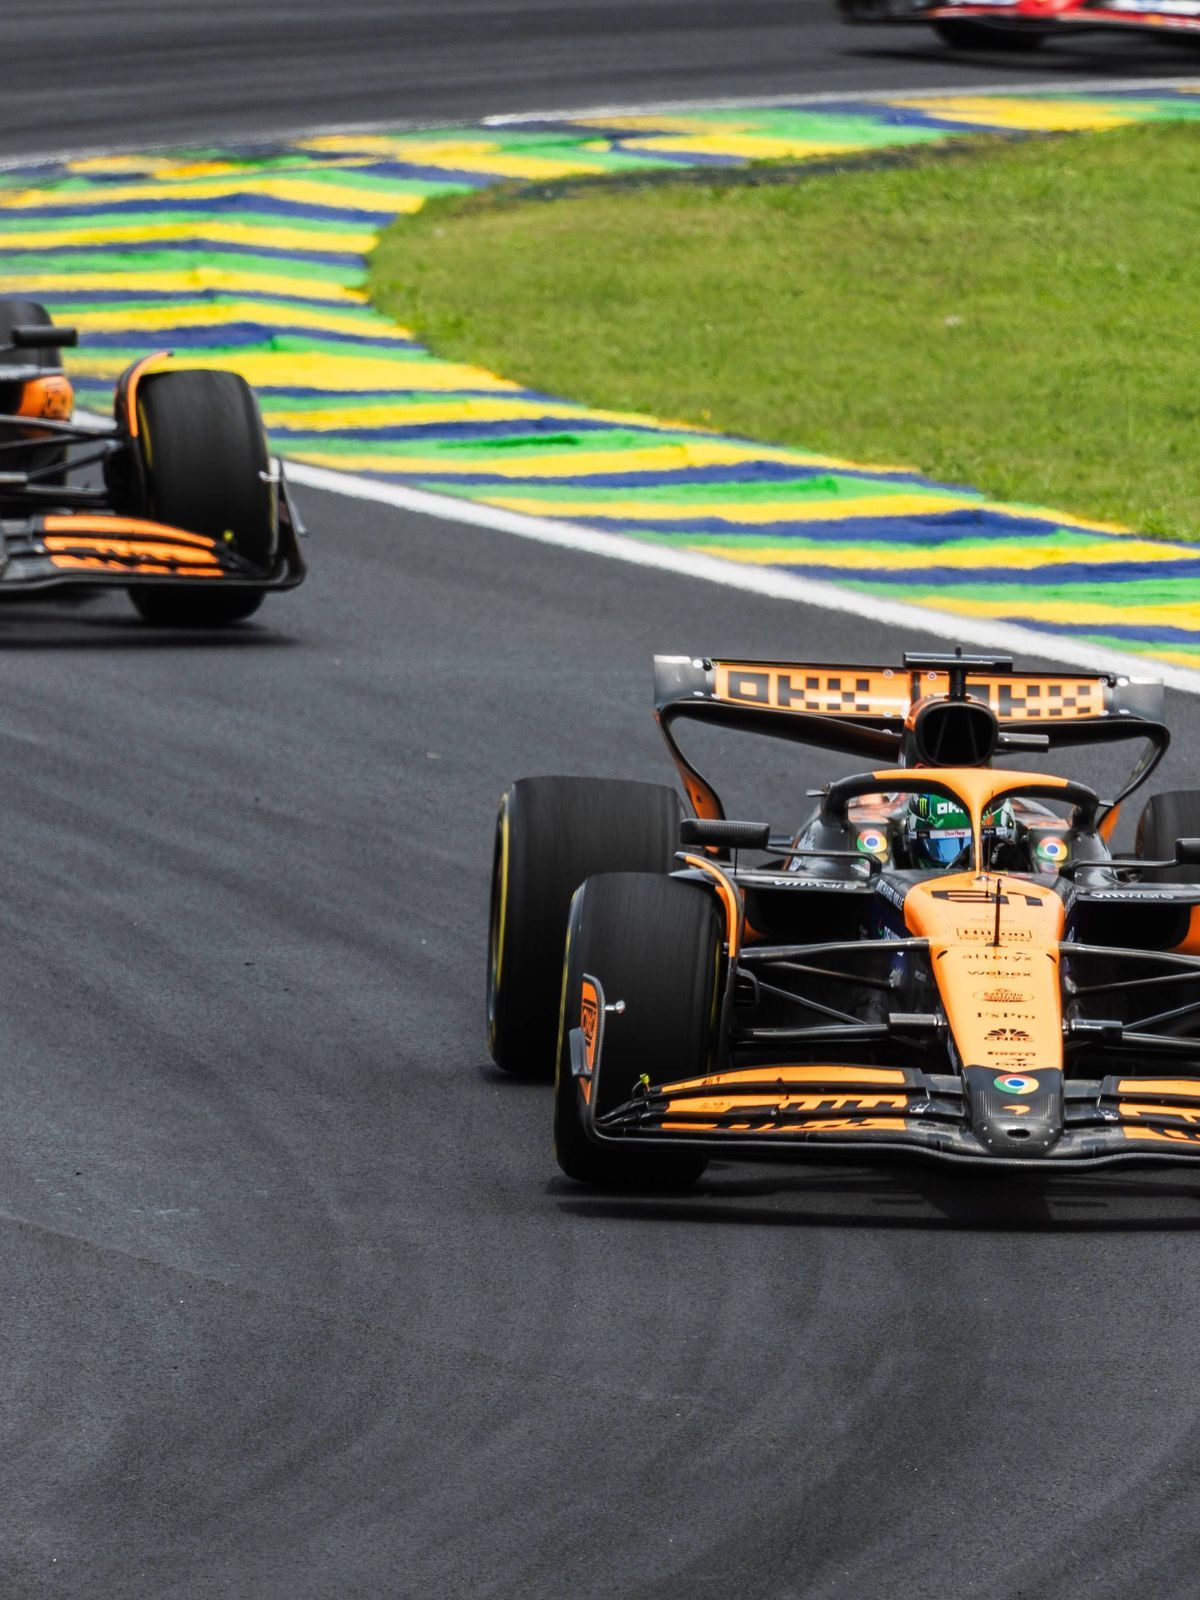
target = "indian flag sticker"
x: 1052, y: 850
x: 1016, y: 1083
x: 872, y: 843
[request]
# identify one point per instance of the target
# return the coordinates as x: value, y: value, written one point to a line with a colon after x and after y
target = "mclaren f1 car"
x: 1022, y: 25
x: 946, y: 959
x: 176, y: 499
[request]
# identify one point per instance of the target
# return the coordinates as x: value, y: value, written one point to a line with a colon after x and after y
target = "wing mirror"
x: 730, y: 835
x: 1187, y: 851
x: 41, y: 336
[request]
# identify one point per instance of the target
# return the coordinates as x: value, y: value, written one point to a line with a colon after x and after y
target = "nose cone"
x: 1015, y: 1113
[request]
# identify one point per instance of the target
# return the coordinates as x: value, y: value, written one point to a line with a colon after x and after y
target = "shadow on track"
x: 912, y: 1198
x: 1101, y: 59
x: 68, y: 625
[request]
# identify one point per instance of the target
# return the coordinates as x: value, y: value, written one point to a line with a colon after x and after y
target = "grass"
x: 1020, y: 317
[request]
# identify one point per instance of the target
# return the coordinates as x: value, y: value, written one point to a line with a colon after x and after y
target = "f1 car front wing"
x: 1025, y: 1118
x: 81, y: 547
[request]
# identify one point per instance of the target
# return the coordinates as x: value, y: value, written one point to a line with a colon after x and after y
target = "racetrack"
x: 296, y: 1303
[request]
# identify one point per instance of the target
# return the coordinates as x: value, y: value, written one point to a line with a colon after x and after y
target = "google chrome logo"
x: 1017, y: 1083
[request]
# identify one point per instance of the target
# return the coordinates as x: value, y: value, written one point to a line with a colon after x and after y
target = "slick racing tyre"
x: 982, y: 36
x: 551, y: 834
x: 1167, y: 817
x: 204, y: 467
x: 27, y: 314
x: 655, y: 943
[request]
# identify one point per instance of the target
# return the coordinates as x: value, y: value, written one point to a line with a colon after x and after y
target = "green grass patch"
x: 1019, y: 317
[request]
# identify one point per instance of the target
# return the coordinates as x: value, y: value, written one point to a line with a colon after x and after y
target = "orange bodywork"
x: 867, y: 1089
x: 888, y: 691
x: 51, y: 397
x: 589, y: 1024
x: 731, y: 900
x: 132, y: 380
x: 1001, y: 996
x: 993, y: 942
x: 114, y: 543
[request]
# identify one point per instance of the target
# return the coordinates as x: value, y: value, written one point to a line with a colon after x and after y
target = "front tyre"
x: 657, y: 944
x: 551, y: 834
x: 204, y: 466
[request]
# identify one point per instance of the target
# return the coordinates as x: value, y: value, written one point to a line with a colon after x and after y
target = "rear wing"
x: 871, y: 710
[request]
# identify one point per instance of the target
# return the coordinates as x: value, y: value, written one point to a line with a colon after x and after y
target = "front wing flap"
x: 75, y: 548
x: 850, y: 1110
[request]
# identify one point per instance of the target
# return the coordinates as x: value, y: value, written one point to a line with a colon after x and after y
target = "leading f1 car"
x: 1023, y: 25
x: 945, y: 959
x: 176, y: 499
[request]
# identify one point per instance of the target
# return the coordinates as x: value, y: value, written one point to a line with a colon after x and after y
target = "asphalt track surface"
x: 295, y: 1304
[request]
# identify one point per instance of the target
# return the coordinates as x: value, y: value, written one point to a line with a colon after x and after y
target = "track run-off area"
x: 297, y: 1303
x: 254, y: 259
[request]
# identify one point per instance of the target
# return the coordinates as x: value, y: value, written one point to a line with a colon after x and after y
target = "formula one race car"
x: 192, y: 515
x: 1025, y: 24
x: 945, y: 960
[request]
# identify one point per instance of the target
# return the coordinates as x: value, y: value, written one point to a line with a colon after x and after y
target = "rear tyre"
x: 16, y: 313
x: 204, y: 466
x: 655, y: 943
x: 982, y: 36
x: 1167, y: 817
x: 551, y: 834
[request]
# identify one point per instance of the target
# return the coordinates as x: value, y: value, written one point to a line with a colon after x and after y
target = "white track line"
x: 769, y: 581
x: 250, y: 139
x: 765, y: 102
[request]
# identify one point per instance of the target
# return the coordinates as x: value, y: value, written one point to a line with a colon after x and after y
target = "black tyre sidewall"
x: 1174, y: 814
x: 204, y: 461
x: 17, y: 313
x: 655, y: 943
x: 969, y: 35
x: 555, y: 832
x: 177, y: 605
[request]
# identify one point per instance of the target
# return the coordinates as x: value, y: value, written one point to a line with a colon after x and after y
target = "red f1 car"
x: 1019, y: 25
x: 176, y: 500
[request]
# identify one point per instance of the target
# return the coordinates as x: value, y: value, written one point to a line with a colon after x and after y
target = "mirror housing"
x: 1187, y: 852
x: 39, y: 336
x: 727, y: 835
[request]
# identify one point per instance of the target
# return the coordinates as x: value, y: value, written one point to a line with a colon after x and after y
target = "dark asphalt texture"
x: 295, y: 1304
x: 79, y: 73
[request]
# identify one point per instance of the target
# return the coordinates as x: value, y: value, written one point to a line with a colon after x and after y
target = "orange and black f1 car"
x: 946, y: 959
x: 176, y: 499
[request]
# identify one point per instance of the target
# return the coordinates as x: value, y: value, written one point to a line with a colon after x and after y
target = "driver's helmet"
x: 937, y: 830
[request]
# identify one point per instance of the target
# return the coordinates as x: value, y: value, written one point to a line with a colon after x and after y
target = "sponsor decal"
x: 589, y: 1020
x: 890, y: 892
x: 760, y: 880
x: 1007, y: 1033
x: 983, y: 897
x: 1016, y: 1083
x: 1001, y: 997
x: 871, y: 842
x: 1052, y: 850
x: 999, y: 969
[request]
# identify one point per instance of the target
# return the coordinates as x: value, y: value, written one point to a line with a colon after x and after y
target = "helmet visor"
x: 941, y: 846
